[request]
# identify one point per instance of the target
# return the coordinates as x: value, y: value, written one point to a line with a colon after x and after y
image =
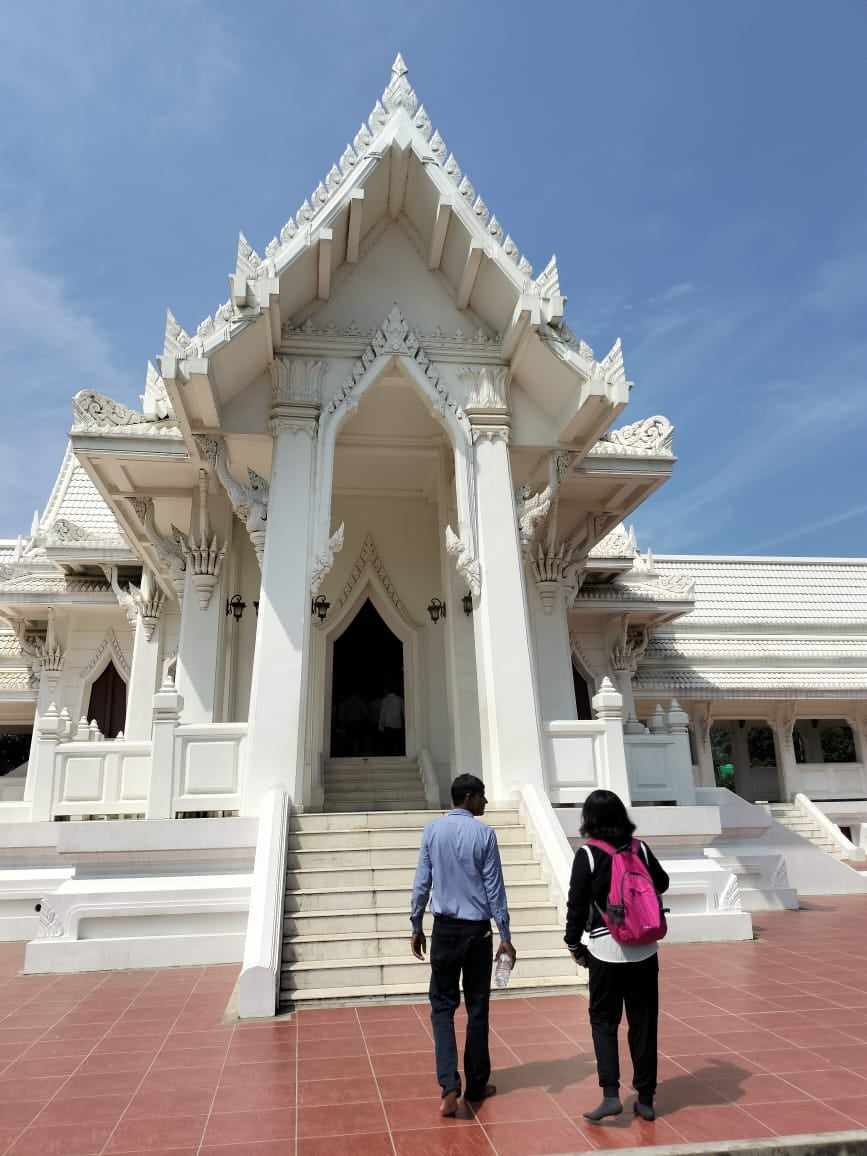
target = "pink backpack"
x: 634, y: 914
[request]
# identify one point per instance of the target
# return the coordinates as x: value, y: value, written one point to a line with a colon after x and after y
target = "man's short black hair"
x: 466, y: 785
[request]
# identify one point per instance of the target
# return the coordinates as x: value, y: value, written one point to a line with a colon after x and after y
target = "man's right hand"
x: 418, y: 944
x: 506, y: 948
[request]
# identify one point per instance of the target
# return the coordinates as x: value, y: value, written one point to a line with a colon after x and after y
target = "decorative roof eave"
x: 397, y: 119
x: 650, y: 437
x: 757, y: 684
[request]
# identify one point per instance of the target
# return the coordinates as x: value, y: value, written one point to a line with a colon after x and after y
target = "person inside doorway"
x: 353, y: 715
x: 620, y: 974
x: 391, y: 723
x: 459, y: 863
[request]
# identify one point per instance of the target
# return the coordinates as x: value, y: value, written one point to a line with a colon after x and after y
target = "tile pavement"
x: 757, y: 1040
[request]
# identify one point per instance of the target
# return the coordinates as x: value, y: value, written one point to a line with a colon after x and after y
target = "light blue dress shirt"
x: 459, y: 861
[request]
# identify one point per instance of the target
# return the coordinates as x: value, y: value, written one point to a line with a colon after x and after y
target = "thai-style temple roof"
x: 784, y: 591
x: 776, y: 627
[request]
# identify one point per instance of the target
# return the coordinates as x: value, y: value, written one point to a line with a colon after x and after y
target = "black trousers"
x: 635, y: 986
x: 461, y: 947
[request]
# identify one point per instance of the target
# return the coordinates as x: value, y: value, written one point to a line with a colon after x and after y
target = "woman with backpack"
x: 614, y: 920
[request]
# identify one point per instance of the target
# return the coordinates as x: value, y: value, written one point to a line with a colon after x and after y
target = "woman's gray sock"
x: 610, y: 1106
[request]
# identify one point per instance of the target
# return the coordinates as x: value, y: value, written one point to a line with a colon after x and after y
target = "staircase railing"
x: 549, y: 841
x: 259, y: 985
x: 816, y: 815
x: 429, y: 780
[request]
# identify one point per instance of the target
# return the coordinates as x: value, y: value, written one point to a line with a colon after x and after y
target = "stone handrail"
x: 549, y: 841
x: 816, y: 815
x: 429, y: 780
x: 259, y: 985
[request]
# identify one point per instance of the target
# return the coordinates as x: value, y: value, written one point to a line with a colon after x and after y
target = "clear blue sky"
x: 699, y: 169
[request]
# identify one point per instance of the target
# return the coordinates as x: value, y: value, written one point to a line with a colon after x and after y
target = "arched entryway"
x: 367, y: 698
x: 107, y: 703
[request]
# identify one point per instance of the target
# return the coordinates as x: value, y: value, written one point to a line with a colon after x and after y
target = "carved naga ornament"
x: 249, y: 502
x: 466, y: 563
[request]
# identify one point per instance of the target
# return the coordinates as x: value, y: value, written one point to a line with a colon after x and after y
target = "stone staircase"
x: 791, y: 816
x: 387, y: 784
x: 346, y: 917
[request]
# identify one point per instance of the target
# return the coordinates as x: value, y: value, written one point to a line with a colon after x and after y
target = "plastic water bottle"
x: 503, y: 970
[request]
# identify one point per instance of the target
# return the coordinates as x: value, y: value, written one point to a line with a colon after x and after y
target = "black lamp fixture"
x: 436, y: 609
x: 467, y: 602
x: 256, y: 604
x: 236, y: 607
x: 319, y: 607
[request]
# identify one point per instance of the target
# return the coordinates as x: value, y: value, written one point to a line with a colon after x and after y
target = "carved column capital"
x: 297, y: 379
x: 629, y: 646
x: 556, y: 569
x: 487, y: 405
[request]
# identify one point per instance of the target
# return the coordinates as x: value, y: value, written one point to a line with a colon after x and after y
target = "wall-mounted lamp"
x: 235, y: 606
x: 319, y: 607
x: 436, y: 609
x: 256, y: 604
x: 467, y: 602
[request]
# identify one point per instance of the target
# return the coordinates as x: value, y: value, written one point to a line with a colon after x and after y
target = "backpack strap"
x: 591, y: 859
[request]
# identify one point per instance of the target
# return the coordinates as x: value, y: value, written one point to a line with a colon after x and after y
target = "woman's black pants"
x: 634, y: 986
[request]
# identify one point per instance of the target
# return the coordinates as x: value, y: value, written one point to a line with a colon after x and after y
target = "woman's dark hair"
x: 604, y: 817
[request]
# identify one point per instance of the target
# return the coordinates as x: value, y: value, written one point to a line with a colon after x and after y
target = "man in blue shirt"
x: 459, y: 861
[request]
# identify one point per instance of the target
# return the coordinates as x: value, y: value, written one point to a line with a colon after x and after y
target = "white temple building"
x: 387, y: 469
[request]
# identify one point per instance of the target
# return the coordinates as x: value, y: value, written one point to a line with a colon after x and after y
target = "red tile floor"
x: 757, y: 1039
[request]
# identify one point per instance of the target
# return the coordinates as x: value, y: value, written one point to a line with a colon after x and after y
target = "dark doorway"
x: 367, y: 690
x: 108, y: 702
x: 582, y: 695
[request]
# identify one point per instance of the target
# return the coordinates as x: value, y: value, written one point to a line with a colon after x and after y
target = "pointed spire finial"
x: 399, y: 67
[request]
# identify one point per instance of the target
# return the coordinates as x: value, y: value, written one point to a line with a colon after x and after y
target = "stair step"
x: 387, y: 944
x: 400, y: 875
x: 376, y: 857
x: 412, y: 992
x: 378, y: 898
x: 377, y: 820
x: 389, y: 838
x: 403, y: 969
x: 372, y: 921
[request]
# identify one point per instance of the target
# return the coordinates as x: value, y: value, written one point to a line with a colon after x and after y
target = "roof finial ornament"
x: 399, y: 67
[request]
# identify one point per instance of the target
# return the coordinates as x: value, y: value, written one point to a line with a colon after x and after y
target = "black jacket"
x: 587, y: 889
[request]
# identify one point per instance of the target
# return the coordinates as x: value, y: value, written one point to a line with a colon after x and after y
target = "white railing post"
x: 258, y: 987
x: 678, y: 728
x: 48, y: 734
x: 608, y: 709
x: 168, y: 705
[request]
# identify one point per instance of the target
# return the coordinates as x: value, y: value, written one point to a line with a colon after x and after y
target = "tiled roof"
x: 46, y: 583
x: 666, y: 648
x: 9, y: 645
x: 76, y: 500
x: 676, y: 680
x: 775, y: 591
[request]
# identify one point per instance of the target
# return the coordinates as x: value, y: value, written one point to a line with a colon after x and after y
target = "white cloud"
x: 50, y: 347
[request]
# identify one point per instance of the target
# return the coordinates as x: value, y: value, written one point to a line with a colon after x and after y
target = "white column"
x: 701, y: 724
x: 678, y: 727
x: 741, y: 757
x: 202, y: 614
x: 275, y: 742
x: 145, y: 662
x: 553, y: 651
x: 787, y: 768
x: 508, y: 702
x: 461, y: 683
